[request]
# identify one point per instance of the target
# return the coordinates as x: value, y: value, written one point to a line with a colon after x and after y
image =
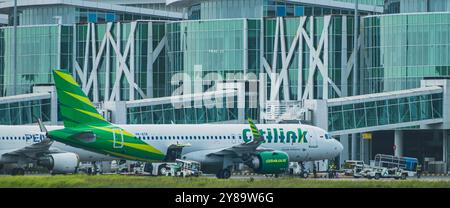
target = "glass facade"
x: 37, y: 54
x: 207, y: 50
x: 155, y: 6
x: 392, y: 7
x: 411, y: 6
x: 25, y: 112
x: 73, y: 14
x: 367, y: 2
x: 283, y: 8
x: 222, y: 9
x: 399, y: 50
x: 215, y: 46
x: 384, y: 112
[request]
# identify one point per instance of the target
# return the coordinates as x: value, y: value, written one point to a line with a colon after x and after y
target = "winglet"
x: 255, y: 132
x: 42, y: 126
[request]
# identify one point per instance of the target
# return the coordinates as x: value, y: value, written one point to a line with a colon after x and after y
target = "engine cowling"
x: 61, y: 162
x: 269, y: 162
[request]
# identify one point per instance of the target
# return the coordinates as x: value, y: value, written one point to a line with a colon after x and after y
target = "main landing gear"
x: 224, y: 174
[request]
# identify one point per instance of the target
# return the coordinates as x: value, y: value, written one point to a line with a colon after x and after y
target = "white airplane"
x: 216, y: 147
x: 22, y: 145
x: 267, y: 150
x: 219, y: 146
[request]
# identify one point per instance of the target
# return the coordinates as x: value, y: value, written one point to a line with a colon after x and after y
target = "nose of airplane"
x: 338, y: 147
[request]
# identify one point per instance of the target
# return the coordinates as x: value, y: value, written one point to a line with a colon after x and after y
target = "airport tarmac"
x: 261, y: 177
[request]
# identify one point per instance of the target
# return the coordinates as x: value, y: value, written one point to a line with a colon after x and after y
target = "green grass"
x: 118, y: 181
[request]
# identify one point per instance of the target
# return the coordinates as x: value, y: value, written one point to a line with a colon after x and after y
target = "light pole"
x: 15, y: 48
x: 355, y: 50
x: 354, y: 80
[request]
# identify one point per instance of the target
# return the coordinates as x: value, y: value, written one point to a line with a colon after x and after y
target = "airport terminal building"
x: 379, y: 81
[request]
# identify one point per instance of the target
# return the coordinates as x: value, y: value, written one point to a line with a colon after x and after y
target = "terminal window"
x: 299, y: 11
x: 281, y: 11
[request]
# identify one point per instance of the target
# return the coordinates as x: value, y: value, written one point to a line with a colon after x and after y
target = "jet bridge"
x: 383, y: 111
x: 422, y: 108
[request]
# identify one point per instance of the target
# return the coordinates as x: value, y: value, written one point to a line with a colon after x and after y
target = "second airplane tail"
x: 75, y: 107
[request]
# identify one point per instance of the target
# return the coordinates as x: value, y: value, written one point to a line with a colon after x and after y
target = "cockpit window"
x: 328, y: 136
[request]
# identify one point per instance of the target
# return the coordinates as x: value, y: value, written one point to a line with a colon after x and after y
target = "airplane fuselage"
x: 300, y: 142
x: 17, y: 137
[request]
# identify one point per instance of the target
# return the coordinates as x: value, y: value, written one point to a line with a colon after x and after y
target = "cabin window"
x: 195, y: 137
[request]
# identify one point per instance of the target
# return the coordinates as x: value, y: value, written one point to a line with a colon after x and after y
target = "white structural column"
x: 345, y: 153
x: 444, y: 146
x: 364, y: 150
x: 245, y: 47
x: 354, y: 147
x: 398, y: 143
x: 150, y: 61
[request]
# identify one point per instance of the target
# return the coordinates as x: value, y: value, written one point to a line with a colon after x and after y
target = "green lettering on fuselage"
x: 244, y: 135
x: 277, y: 135
x: 291, y: 137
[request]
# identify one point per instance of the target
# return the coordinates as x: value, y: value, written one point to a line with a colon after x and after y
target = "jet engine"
x: 60, y: 163
x: 274, y: 162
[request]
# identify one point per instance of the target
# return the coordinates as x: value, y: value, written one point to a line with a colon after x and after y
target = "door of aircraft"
x: 312, y: 138
x: 118, y: 138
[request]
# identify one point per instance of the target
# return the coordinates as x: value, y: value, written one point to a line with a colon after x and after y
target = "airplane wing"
x: 244, y: 148
x: 33, y: 150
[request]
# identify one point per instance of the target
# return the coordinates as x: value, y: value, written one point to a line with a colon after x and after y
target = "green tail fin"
x: 255, y: 132
x: 75, y: 107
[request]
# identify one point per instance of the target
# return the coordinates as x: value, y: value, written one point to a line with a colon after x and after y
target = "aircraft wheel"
x: 18, y: 171
x: 377, y: 176
x: 403, y: 176
x: 162, y: 170
x: 219, y: 174
x: 226, y: 173
x: 304, y: 174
